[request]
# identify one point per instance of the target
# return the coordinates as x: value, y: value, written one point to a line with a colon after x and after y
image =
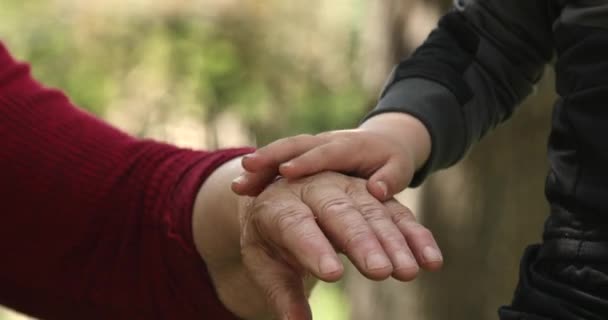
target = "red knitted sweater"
x: 96, y: 224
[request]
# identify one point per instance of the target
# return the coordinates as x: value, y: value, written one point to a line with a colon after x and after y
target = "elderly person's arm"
x: 98, y: 224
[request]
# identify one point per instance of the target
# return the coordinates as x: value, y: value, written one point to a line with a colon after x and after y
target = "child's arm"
x: 387, y: 149
x: 467, y: 78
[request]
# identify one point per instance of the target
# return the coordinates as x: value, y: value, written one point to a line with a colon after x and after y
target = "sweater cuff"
x: 441, y: 113
x: 189, y: 271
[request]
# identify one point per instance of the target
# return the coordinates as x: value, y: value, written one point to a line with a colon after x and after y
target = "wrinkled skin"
x: 277, y: 244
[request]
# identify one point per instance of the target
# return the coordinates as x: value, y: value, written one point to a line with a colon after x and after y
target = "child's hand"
x: 387, y: 149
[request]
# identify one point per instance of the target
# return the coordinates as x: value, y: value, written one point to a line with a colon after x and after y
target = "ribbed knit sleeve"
x: 96, y: 224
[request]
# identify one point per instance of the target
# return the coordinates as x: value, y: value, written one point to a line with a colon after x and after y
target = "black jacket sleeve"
x: 480, y: 62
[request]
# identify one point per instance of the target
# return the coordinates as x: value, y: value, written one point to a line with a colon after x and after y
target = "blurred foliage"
x: 329, y: 303
x: 254, y: 60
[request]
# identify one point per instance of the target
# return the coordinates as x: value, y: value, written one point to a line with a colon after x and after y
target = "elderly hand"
x: 293, y: 231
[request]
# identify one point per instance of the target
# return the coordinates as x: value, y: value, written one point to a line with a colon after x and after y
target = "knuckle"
x: 355, y: 237
x: 337, y: 207
x: 403, y: 217
x: 309, y: 235
x: 371, y: 211
x: 291, y: 141
x: 304, y: 136
x: 356, y: 188
x: 289, y: 218
x: 353, y: 141
x: 327, y: 135
x: 261, y: 213
x: 260, y: 207
x: 269, y: 215
x: 342, y: 143
x: 377, y: 219
x: 392, y: 238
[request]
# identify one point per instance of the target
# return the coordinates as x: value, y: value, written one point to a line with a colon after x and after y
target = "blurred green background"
x: 220, y: 73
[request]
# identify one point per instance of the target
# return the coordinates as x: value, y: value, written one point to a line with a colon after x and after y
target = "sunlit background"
x: 220, y: 73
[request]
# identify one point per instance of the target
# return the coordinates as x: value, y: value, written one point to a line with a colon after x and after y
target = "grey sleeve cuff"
x: 439, y: 110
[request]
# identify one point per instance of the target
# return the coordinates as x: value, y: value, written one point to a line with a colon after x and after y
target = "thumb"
x: 282, y: 285
x: 390, y: 179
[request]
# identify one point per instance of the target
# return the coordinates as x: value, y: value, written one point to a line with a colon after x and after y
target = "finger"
x: 282, y: 286
x: 272, y: 155
x: 420, y: 239
x: 291, y: 225
x: 345, y: 227
x: 253, y: 183
x: 405, y: 267
x: 390, y: 179
x: 341, y: 156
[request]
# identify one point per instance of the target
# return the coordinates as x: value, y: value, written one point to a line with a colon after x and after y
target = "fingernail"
x: 431, y: 254
x: 287, y: 165
x: 250, y: 156
x: 383, y: 187
x: 404, y: 261
x: 377, y: 261
x: 240, y: 180
x: 329, y: 264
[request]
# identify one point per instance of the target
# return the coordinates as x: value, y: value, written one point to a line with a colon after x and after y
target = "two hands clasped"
x: 290, y: 231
